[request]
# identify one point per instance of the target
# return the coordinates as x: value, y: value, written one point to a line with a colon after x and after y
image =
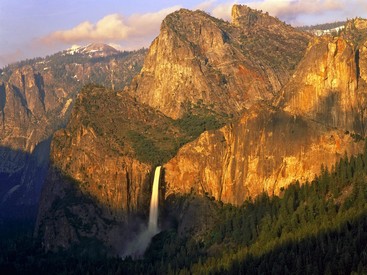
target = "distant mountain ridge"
x: 334, y: 28
x: 36, y: 98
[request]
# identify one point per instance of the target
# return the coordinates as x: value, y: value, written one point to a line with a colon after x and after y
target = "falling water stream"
x: 153, y: 214
x: 137, y: 247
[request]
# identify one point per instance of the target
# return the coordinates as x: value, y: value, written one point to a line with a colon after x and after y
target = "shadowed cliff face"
x: 18, y: 201
x: 68, y: 216
x: 227, y: 67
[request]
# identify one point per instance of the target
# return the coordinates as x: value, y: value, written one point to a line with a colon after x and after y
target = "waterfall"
x: 153, y: 214
x: 138, y: 245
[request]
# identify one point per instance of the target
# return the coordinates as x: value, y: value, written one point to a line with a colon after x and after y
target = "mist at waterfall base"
x: 137, y: 246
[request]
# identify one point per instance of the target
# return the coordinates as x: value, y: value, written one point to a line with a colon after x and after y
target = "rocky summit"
x: 223, y: 66
x: 230, y: 109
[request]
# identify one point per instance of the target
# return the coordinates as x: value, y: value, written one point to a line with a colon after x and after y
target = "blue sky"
x: 31, y: 28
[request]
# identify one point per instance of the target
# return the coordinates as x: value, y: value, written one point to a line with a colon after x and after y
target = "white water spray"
x: 138, y: 246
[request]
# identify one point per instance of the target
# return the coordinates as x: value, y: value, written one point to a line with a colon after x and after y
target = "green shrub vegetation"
x: 156, y: 146
x: 129, y: 128
x: 195, y: 124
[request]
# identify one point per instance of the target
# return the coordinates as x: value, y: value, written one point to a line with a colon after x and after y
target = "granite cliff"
x: 329, y: 86
x: 265, y: 151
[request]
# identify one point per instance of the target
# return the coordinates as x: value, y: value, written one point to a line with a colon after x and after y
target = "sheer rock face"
x: 116, y: 181
x: 198, y: 58
x: 265, y: 151
x: 329, y: 85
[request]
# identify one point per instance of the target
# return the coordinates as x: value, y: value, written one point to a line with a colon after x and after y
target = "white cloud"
x: 111, y: 28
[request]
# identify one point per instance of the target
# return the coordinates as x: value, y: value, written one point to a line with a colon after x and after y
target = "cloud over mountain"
x: 111, y: 28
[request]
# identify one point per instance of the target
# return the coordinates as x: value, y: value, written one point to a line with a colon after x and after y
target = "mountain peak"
x: 99, y: 47
x: 212, y: 62
x: 93, y: 50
